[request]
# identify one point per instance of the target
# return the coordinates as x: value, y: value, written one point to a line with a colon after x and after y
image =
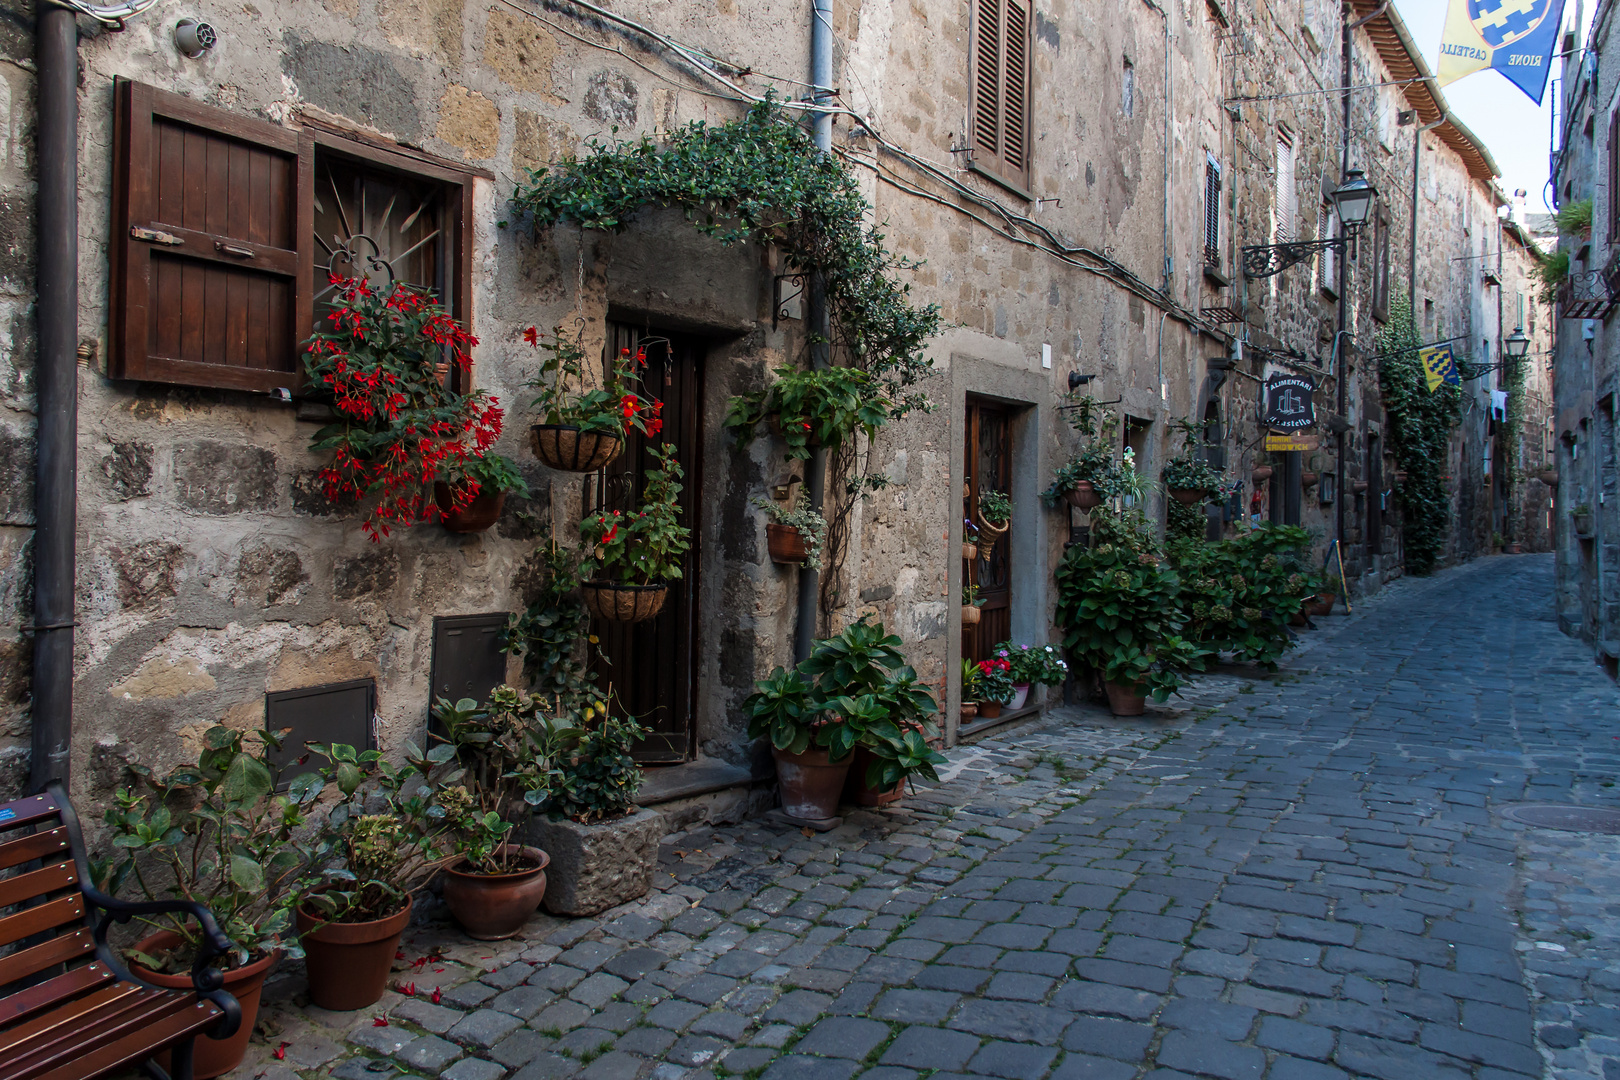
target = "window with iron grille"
x: 1002, y: 41
x: 1212, y: 214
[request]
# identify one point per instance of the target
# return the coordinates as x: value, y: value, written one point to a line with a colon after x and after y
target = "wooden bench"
x: 69, y: 1009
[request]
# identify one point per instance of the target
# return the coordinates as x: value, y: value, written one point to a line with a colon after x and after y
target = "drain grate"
x: 1573, y: 818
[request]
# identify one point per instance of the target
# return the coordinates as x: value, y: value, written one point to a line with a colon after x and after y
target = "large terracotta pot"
x: 1187, y: 496
x: 1125, y: 700
x: 989, y: 710
x: 573, y: 450
x: 213, y: 1057
x: 1261, y: 474
x: 1083, y: 496
x: 1322, y: 605
x: 1308, y: 480
x: 856, y: 789
x: 971, y: 615
x: 810, y: 783
x: 491, y: 907
x: 476, y: 516
x: 349, y: 963
x: 623, y: 603
x: 786, y: 544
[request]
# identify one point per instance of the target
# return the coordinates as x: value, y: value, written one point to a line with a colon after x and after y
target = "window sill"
x: 1216, y: 276
x: 1000, y: 181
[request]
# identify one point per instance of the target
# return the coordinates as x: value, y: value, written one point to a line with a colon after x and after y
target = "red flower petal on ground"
x: 436, y: 995
x: 281, y: 1051
x: 379, y: 1021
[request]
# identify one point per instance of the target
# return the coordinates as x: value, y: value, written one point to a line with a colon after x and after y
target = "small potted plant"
x: 583, y: 426
x: 399, y: 428
x: 971, y: 605
x: 811, y: 408
x: 1261, y: 472
x: 1032, y: 667
x: 1091, y: 475
x: 1189, y: 477
x: 971, y: 691
x: 214, y: 832
x: 632, y: 557
x: 970, y: 540
x: 890, y: 728
x: 386, y: 840
x: 1581, y: 517
x: 794, y: 537
x: 995, y: 686
x: 1548, y: 475
x: 474, y: 492
x: 494, y: 763
x: 995, y: 512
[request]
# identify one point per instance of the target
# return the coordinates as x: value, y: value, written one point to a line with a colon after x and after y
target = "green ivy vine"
x: 1420, y: 426
x: 1513, y: 378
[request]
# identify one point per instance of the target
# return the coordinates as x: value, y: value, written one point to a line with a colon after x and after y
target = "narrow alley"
x: 1299, y: 877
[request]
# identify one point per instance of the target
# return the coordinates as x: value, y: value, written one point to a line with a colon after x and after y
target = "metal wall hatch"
x: 342, y: 712
x: 469, y: 658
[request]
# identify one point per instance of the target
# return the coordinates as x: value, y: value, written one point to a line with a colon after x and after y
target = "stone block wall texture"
x: 211, y: 571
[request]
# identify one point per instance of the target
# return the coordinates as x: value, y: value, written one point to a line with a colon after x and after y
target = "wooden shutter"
x: 1212, y: 214
x: 212, y: 226
x: 1003, y: 36
x: 1285, y: 204
x: 1614, y: 176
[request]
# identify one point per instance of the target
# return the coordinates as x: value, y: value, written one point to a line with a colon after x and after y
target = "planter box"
x: 597, y: 866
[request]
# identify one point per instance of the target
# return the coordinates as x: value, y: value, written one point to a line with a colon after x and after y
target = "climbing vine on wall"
x: 762, y: 178
x: 1513, y: 372
x: 1420, y: 426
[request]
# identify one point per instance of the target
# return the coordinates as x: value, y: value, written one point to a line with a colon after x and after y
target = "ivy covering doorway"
x: 987, y: 455
x: 650, y: 665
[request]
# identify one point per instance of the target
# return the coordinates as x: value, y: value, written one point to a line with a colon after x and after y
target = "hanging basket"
x: 971, y: 614
x: 572, y: 450
x: 970, y: 550
x: 1308, y: 480
x: 1083, y: 496
x: 1548, y: 477
x: 786, y: 544
x: 1261, y: 474
x: 623, y: 603
x: 479, y: 514
x: 1188, y: 496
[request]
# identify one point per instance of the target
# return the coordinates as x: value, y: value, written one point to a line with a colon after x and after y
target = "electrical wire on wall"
x: 112, y: 16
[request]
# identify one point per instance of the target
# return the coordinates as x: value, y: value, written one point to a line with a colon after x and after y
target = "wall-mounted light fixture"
x: 194, y: 37
x: 1353, y: 199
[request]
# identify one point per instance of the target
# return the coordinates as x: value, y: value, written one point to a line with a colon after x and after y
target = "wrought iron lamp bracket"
x: 1265, y: 260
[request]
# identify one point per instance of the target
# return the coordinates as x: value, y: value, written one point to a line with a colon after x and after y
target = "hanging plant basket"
x: 623, y: 603
x: 971, y: 614
x: 1083, y: 496
x: 774, y: 421
x: 1261, y: 474
x: 970, y: 550
x: 476, y: 516
x: 988, y: 536
x: 1359, y: 486
x: 1548, y: 477
x: 572, y: 450
x: 786, y: 545
x: 1188, y: 496
x: 1583, y: 525
x: 1308, y: 480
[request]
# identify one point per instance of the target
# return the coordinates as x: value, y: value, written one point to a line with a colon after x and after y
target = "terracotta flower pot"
x: 786, y: 544
x: 1261, y: 474
x: 1020, y: 696
x: 970, y: 551
x: 971, y: 615
x: 1513, y: 548
x: 1124, y: 700
x: 856, y: 789
x: 1548, y: 477
x: 810, y: 783
x: 970, y: 712
x: 1083, y: 496
x: 349, y: 963
x: 1583, y: 525
x: 1308, y: 480
x: 1297, y: 618
x: 491, y: 907
x: 1359, y: 486
x: 1187, y: 496
x: 476, y: 516
x: 573, y: 450
x: 213, y: 1057
x: 623, y: 603
x: 989, y: 710
x: 1322, y: 605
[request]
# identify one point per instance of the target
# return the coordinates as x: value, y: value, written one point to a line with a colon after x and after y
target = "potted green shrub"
x: 583, y: 425
x: 972, y: 604
x: 1091, y: 474
x: 1118, y: 605
x: 794, y: 537
x: 632, y: 557
x: 971, y: 691
x: 603, y: 848
x: 1032, y: 667
x: 995, y: 512
x: 810, y: 408
x: 1239, y: 594
x: 890, y: 729
x: 473, y: 493
x: 494, y: 764
x: 216, y: 832
x: 1189, y: 477
x: 995, y: 686
x: 399, y: 426
x: 1581, y: 518
x: 386, y: 839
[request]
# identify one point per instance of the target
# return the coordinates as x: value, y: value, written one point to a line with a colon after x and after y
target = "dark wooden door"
x: 650, y: 665
x: 988, y: 457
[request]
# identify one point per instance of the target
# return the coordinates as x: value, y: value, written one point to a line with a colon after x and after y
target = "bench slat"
x: 29, y: 1036
x: 52, y: 992
x: 37, y: 920
x: 20, y: 812
x: 47, y: 879
x: 119, y: 1048
x: 58, y: 950
x: 39, y: 846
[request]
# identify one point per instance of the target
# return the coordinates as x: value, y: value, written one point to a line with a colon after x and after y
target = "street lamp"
x: 1516, y: 345
x: 1353, y: 201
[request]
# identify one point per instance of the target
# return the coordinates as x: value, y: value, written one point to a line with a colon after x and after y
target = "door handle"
x: 231, y: 249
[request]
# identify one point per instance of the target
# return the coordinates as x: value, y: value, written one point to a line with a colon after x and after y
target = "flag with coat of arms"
x: 1439, y: 366
x: 1514, y: 37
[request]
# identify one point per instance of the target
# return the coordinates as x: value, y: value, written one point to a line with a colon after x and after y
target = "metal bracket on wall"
x: 789, y: 305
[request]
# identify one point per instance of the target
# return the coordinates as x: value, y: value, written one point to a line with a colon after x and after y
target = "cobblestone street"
x: 1302, y: 876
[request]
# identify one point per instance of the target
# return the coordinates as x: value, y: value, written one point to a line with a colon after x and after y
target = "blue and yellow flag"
x: 1439, y: 366
x: 1515, y: 37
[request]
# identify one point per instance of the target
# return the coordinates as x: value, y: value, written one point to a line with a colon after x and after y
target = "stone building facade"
x: 211, y: 574
x: 1587, y: 369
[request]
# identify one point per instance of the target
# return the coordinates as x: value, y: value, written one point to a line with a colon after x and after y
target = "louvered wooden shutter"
x: 1285, y: 190
x: 1212, y: 214
x: 1000, y: 108
x: 212, y: 225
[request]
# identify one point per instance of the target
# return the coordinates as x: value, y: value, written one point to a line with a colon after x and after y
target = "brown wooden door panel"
x: 651, y: 665
x: 212, y: 226
x: 987, y: 453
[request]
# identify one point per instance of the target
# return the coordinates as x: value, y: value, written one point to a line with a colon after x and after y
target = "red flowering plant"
x: 995, y: 680
x: 646, y: 546
x: 399, y: 427
x: 566, y: 399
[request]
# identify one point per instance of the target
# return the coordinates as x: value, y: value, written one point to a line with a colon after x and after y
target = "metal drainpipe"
x: 56, y: 379
x: 1168, y: 112
x: 821, y: 74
